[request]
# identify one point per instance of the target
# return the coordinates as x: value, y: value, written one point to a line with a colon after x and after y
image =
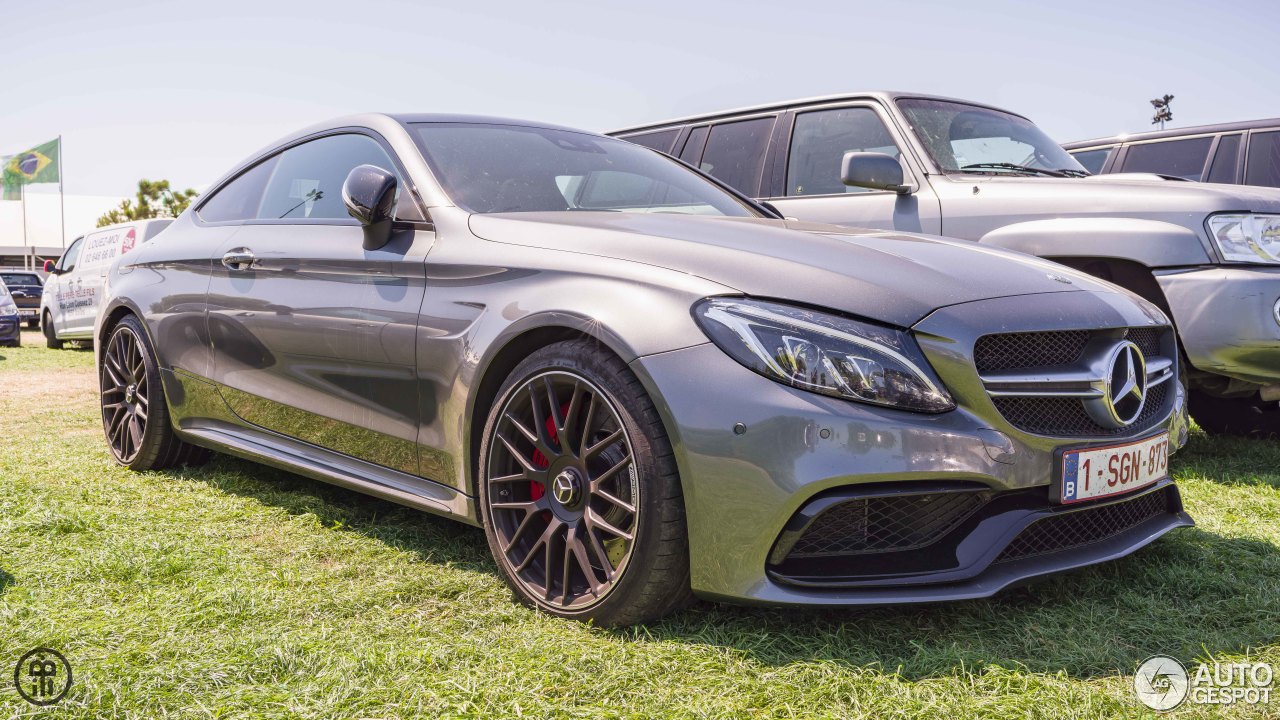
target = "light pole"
x: 1163, y: 112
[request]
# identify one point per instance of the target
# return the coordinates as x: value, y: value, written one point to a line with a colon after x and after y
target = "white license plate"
x: 1099, y: 472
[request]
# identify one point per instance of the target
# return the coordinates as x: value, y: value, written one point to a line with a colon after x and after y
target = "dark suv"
x: 26, y: 289
x: 1241, y: 153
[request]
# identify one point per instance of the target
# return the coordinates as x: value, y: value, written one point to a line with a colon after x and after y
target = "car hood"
x: 1130, y: 195
x: 892, y: 277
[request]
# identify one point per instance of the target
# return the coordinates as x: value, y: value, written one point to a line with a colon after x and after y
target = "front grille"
x: 886, y: 524
x: 1010, y: 351
x: 1082, y: 527
x: 1066, y: 417
x: 7, y: 325
x: 1147, y: 339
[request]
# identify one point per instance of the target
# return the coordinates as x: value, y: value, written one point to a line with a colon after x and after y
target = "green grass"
x: 237, y: 591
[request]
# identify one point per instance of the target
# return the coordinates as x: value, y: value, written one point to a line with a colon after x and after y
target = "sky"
x: 183, y: 90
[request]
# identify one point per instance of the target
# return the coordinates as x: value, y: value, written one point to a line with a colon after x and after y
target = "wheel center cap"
x: 566, y: 488
x: 131, y: 393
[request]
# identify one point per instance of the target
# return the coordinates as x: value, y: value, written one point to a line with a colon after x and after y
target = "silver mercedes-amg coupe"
x: 644, y: 386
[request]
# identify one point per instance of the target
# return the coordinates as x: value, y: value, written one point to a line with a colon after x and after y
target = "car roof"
x: 885, y: 96
x: 1174, y: 132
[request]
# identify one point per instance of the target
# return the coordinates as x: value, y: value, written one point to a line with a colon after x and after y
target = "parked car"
x: 640, y: 383
x: 26, y: 289
x: 1246, y: 153
x: 73, y: 292
x: 1209, y: 256
x: 10, y: 323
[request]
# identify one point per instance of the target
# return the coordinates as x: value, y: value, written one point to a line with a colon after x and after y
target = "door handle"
x: 239, y: 259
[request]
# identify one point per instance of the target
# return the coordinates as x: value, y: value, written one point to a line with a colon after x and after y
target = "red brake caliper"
x: 536, y: 489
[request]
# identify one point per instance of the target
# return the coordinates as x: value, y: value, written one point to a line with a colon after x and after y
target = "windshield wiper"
x: 1014, y: 166
x: 1072, y: 172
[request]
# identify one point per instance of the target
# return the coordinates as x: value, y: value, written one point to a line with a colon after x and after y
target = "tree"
x: 153, y: 200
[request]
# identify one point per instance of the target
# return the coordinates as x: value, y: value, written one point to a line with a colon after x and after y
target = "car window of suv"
x: 239, y: 199
x: 1225, y: 160
x: 1093, y: 160
x: 820, y: 141
x: 67, y: 262
x: 1181, y: 158
x: 307, y: 181
x: 735, y: 153
x: 1263, y: 167
x: 662, y: 140
x: 20, y: 279
x: 692, y: 151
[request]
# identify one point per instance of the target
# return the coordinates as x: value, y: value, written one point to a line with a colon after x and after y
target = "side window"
x: 1093, y: 160
x: 1263, y: 167
x: 735, y: 153
x: 1180, y: 158
x: 240, y: 198
x: 662, y: 140
x: 820, y: 140
x: 307, y: 182
x: 692, y: 151
x: 68, y: 260
x: 1225, y: 160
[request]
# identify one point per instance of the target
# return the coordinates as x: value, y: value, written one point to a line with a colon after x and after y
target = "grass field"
x: 233, y: 590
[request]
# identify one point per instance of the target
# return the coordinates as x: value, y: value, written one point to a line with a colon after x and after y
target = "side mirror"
x: 370, y: 196
x: 875, y: 171
x: 50, y: 267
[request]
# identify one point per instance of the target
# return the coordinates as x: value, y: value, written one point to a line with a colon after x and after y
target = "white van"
x: 73, y: 290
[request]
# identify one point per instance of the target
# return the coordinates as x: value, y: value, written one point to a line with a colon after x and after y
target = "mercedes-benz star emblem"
x: 1124, y: 387
x: 565, y: 487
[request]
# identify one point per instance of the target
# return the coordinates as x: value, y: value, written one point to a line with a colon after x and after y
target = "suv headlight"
x: 1246, y: 238
x: 824, y: 353
x: 7, y: 306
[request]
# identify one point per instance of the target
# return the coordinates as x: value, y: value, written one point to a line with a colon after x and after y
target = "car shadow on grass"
x: 5, y: 581
x: 1230, y: 460
x: 1190, y: 593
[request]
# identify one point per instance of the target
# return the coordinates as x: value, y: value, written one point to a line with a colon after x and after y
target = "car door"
x: 59, y: 288
x: 809, y: 174
x: 312, y: 336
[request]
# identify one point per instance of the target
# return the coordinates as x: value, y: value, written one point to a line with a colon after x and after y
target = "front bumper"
x: 1226, y: 318
x: 10, y: 330
x: 742, y: 490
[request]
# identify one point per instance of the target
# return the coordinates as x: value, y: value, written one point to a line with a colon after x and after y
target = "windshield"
x: 507, y: 168
x: 966, y: 138
x: 20, y: 279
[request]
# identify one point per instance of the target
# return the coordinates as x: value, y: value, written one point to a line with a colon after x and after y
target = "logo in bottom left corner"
x: 1161, y: 683
x: 42, y: 676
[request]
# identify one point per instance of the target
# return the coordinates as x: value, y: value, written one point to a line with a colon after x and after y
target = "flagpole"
x: 62, y: 202
x: 26, y: 248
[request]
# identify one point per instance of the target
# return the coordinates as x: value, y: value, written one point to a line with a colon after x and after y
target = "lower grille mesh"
x: 886, y: 524
x: 1076, y: 529
x: 1066, y: 417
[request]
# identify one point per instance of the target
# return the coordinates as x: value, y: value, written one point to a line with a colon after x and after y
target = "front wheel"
x: 134, y: 414
x: 51, y: 340
x: 1244, y: 416
x: 579, y: 491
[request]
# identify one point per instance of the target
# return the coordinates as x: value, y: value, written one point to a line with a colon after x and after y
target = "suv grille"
x: 885, y: 524
x: 1082, y: 527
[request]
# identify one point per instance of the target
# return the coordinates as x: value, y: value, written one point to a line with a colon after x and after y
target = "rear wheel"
x: 51, y: 340
x: 1245, y: 416
x: 579, y: 492
x: 134, y: 414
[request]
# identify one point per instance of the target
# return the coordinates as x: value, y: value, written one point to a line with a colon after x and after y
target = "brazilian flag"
x: 37, y: 165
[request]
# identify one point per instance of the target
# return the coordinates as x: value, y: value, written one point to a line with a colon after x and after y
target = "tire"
x: 614, y: 476
x: 1245, y: 417
x: 51, y: 340
x: 135, y: 417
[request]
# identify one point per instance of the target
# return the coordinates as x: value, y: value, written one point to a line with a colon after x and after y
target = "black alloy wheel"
x: 579, y: 512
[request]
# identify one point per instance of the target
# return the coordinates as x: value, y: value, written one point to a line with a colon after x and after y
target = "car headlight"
x: 7, y: 307
x: 824, y: 353
x: 1247, y: 238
